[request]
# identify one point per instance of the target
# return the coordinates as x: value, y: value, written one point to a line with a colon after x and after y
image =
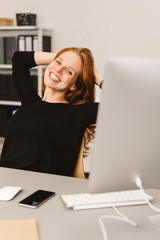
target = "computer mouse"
x: 9, y: 192
x: 155, y: 220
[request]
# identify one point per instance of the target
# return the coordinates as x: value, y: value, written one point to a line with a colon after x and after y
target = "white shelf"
x: 24, y: 30
x: 10, y: 103
x: 5, y: 66
x: 9, y: 66
x: 15, y: 28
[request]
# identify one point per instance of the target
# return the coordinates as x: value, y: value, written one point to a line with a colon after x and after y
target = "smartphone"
x: 36, y: 199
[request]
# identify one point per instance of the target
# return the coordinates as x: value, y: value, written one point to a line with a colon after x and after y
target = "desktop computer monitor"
x: 127, y: 141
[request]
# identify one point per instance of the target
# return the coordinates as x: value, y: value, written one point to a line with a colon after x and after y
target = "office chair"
x: 79, y: 169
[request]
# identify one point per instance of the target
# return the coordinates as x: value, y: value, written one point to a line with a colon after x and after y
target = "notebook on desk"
x: 19, y: 229
x: 128, y: 127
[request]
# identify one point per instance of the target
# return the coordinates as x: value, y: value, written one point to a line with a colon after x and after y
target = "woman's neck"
x: 54, y: 96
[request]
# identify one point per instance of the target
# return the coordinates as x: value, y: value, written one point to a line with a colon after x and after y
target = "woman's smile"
x: 54, y: 78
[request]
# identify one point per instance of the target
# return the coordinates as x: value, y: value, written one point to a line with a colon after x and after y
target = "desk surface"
x: 57, y: 222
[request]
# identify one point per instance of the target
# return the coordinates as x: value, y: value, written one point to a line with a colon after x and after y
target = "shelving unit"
x: 6, y: 69
x: 15, y: 31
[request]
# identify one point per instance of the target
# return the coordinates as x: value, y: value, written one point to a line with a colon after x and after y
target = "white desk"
x: 57, y: 222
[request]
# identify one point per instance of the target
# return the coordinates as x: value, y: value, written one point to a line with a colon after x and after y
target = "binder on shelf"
x: 3, y: 87
x: 35, y: 43
x: 29, y: 43
x: 5, y: 114
x: 12, y: 92
x: 21, y: 43
x: 2, y: 58
x: 8, y: 90
x: 46, y: 44
x: 10, y: 46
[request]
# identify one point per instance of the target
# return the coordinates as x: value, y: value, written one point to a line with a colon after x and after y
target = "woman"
x: 45, y: 134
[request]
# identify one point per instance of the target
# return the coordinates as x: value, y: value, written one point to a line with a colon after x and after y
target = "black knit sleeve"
x: 21, y: 63
x: 90, y: 113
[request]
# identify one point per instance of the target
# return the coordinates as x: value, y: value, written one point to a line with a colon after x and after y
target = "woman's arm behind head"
x: 44, y: 58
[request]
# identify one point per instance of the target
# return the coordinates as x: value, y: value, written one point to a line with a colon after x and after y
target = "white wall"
x: 108, y: 27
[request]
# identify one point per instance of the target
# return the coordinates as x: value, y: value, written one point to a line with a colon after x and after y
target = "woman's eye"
x: 58, y: 62
x: 69, y: 72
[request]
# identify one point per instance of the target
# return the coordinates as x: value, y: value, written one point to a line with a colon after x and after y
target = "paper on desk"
x: 19, y: 230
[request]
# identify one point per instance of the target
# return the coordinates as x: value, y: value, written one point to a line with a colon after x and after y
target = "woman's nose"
x: 59, y: 69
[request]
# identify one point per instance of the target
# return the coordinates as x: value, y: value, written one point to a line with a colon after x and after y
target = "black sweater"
x: 41, y: 136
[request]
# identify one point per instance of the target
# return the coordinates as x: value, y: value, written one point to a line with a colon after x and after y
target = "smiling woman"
x: 61, y: 75
x: 45, y: 134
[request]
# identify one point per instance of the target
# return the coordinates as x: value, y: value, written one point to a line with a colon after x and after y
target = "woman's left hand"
x: 98, y: 77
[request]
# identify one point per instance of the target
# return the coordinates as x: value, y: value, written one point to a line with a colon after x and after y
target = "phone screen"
x: 36, y: 199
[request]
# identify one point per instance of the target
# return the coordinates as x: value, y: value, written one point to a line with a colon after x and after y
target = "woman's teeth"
x: 54, y: 78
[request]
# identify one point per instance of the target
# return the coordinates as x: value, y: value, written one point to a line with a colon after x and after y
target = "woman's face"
x: 62, y: 73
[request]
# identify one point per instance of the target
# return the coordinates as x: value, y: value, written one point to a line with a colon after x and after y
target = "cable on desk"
x: 121, y: 218
x: 140, y: 186
x: 124, y: 217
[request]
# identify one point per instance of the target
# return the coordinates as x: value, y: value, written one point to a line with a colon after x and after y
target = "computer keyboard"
x: 103, y: 200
